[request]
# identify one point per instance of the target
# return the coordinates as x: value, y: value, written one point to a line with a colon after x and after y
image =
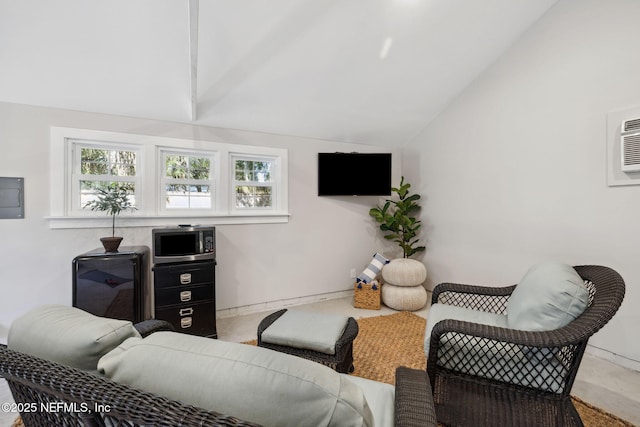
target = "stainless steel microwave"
x: 183, y: 244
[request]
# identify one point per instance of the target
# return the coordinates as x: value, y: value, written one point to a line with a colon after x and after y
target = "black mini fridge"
x: 113, y: 284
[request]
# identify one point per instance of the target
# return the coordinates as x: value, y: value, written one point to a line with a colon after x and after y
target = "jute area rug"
x: 386, y: 342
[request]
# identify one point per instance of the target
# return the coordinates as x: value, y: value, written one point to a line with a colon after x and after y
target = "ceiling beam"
x: 194, y: 7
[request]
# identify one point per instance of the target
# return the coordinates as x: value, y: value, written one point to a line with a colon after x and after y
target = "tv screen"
x: 354, y: 174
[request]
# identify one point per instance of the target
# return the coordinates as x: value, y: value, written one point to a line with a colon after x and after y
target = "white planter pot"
x: 404, y: 298
x: 404, y: 272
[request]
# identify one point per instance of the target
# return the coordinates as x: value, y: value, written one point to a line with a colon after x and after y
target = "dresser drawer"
x: 194, y: 319
x: 184, y: 274
x: 184, y: 295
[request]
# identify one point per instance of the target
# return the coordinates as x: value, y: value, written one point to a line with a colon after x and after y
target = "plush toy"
x: 373, y: 269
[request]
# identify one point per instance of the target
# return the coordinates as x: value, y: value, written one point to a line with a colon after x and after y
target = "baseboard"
x: 616, y: 359
x: 280, y: 304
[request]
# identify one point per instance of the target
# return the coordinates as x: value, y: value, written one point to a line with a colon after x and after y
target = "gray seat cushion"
x: 68, y: 335
x: 248, y: 382
x: 439, y: 312
x: 307, y: 330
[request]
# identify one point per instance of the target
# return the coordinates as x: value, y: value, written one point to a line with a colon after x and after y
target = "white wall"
x: 514, y: 171
x: 310, y: 255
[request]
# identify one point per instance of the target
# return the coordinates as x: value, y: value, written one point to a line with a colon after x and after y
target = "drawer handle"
x: 185, y: 296
x: 186, y: 322
x: 185, y: 278
x: 186, y: 311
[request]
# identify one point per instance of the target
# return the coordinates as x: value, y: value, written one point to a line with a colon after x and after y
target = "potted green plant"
x: 112, y: 200
x: 403, y: 277
x: 397, y: 220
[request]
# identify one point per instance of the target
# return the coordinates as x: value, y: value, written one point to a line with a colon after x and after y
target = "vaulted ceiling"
x: 365, y: 71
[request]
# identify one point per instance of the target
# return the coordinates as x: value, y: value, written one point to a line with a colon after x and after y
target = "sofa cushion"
x: 439, y: 312
x: 68, y: 335
x: 549, y: 296
x: 381, y: 398
x: 248, y: 382
x: 306, y: 330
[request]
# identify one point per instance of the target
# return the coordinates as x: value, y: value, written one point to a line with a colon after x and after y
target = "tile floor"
x: 599, y: 382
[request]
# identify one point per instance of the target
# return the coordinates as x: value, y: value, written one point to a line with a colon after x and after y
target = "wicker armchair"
x: 468, y: 392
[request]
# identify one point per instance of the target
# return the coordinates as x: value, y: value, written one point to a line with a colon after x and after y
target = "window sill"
x: 58, y: 222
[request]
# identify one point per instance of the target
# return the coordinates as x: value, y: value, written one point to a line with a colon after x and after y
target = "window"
x: 170, y: 181
x: 253, y: 182
x: 187, y: 181
x: 96, y: 166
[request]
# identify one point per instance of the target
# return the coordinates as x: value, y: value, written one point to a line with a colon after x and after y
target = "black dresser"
x: 185, y: 296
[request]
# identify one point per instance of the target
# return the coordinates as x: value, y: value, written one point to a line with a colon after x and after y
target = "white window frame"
x: 273, y: 183
x: 150, y: 170
x: 164, y: 181
x: 76, y: 176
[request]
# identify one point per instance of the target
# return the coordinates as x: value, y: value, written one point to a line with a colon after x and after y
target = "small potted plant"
x: 112, y: 200
x: 403, y: 277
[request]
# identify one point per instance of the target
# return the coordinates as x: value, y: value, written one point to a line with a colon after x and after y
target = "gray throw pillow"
x: 549, y: 296
x: 68, y: 335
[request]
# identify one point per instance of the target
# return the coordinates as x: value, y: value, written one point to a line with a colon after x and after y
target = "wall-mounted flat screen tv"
x: 354, y: 174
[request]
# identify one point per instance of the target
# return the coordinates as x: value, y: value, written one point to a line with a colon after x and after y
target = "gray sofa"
x: 167, y: 376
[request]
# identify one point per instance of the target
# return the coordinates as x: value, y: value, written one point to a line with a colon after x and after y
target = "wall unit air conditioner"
x: 630, y: 145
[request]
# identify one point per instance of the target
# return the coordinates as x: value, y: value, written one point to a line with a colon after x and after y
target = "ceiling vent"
x: 630, y: 145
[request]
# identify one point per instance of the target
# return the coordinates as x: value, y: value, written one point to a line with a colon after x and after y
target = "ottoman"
x: 322, y: 338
